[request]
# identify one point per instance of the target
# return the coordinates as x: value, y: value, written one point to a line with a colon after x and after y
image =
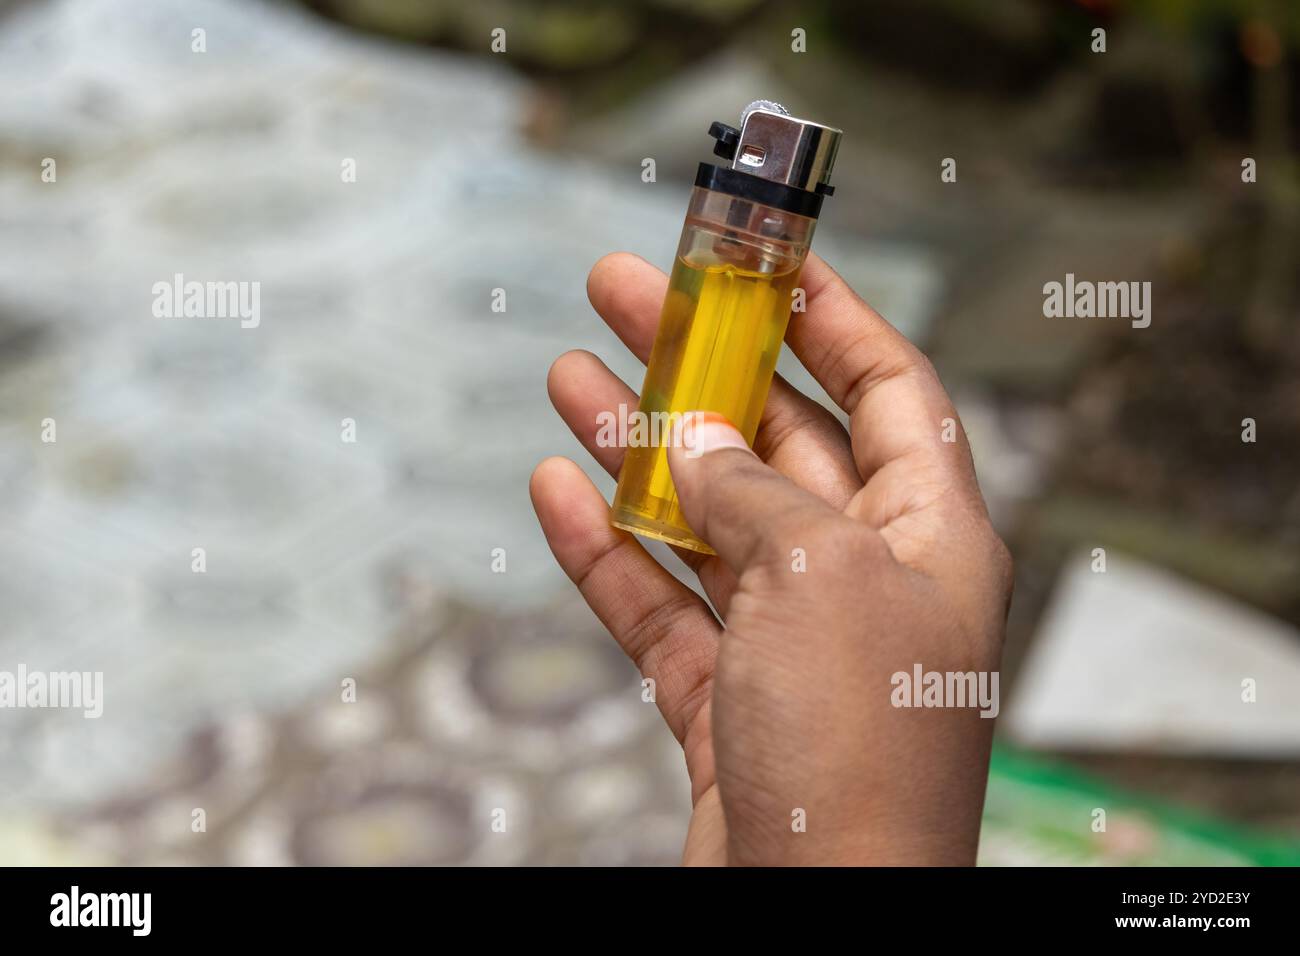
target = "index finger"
x: 888, y: 387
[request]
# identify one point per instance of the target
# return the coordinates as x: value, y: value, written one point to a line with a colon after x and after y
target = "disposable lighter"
x: 748, y: 229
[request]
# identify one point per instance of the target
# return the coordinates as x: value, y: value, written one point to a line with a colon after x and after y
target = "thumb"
x: 748, y: 512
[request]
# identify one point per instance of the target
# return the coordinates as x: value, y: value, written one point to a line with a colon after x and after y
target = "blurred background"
x: 372, y: 561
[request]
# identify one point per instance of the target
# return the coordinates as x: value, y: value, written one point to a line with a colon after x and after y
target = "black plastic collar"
x: 735, y: 183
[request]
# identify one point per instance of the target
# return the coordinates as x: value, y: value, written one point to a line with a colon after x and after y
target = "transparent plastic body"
x: 720, y: 333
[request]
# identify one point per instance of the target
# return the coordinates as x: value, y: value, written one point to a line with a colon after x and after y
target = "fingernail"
x: 703, y: 432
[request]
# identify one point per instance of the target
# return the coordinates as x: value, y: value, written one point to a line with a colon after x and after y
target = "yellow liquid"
x: 719, y: 338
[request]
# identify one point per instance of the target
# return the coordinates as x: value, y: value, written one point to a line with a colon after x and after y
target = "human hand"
x: 788, y: 707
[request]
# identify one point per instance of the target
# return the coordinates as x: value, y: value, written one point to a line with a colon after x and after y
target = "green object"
x: 1038, y: 813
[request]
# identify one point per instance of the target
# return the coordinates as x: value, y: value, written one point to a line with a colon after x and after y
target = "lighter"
x: 747, y: 233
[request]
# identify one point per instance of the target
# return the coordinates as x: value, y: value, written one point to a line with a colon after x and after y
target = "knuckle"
x: 925, y: 366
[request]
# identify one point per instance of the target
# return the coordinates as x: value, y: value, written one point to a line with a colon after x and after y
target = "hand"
x: 787, y: 707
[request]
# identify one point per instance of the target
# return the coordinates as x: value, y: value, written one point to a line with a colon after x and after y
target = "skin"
x: 778, y: 687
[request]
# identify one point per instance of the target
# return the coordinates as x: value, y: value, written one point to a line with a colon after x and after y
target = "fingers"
x: 748, y: 512
x: 583, y: 389
x: 811, y: 449
x: 585, y: 392
x: 628, y: 292
x: 807, y: 444
x: 842, y: 341
x: 663, y: 626
x: 898, y: 408
x: 796, y: 435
